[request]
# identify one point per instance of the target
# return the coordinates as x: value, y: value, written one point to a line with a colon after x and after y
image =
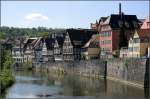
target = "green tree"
x: 43, y: 34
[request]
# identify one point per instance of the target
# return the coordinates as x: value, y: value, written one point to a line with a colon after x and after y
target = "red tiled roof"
x: 144, y: 33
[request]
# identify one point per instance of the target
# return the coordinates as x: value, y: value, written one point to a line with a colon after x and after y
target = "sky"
x: 65, y: 14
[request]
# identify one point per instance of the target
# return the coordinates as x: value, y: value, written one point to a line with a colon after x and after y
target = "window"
x: 105, y: 42
x: 105, y: 34
x: 105, y: 49
x: 130, y: 49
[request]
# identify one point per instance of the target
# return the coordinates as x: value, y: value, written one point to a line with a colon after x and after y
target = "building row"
x: 118, y: 33
x: 75, y: 44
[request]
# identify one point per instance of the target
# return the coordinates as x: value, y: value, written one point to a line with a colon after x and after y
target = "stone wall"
x: 84, y: 67
x: 130, y: 70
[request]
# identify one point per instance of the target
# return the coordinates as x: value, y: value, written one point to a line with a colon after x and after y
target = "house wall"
x: 115, y: 39
x: 134, y: 53
x: 67, y: 49
x: 104, y: 45
x: 124, y: 53
x: 93, y: 52
x: 143, y: 48
x: 17, y: 56
x: 90, y: 53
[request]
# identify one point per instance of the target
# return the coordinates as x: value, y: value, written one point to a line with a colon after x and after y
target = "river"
x: 31, y: 84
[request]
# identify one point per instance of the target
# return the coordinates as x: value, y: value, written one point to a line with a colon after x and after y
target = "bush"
x: 6, y: 79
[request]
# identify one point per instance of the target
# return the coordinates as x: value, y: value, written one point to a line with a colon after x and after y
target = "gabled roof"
x: 49, y: 43
x: 102, y: 20
x: 36, y: 43
x: 79, y: 37
x: 29, y: 42
x: 93, y: 42
x: 60, y: 40
x: 141, y: 20
x: 107, y: 21
x: 145, y: 23
x: 114, y: 20
x: 144, y: 33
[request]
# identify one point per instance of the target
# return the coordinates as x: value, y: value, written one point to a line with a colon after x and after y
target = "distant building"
x: 59, y: 40
x: 138, y: 45
x: 28, y: 49
x: 67, y: 49
x: 94, y: 25
x: 17, y: 55
x: 17, y: 51
x: 57, y: 52
x: 43, y: 50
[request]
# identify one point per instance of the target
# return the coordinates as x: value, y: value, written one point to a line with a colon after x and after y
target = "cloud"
x: 35, y: 17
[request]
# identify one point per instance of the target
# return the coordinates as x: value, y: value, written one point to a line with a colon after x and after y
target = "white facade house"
x: 17, y: 55
x: 57, y: 52
x: 44, y: 52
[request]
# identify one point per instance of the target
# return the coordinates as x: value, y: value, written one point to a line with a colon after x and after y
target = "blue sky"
x: 65, y: 14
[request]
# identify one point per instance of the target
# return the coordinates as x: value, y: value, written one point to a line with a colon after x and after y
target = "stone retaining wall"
x: 91, y: 67
x: 132, y: 71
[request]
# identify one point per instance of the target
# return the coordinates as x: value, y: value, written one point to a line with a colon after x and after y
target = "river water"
x: 53, y: 86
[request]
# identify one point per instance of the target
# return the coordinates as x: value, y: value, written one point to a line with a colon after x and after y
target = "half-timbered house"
x: 74, y: 40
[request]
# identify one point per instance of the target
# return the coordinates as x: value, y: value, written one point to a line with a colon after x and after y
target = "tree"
x: 15, y: 32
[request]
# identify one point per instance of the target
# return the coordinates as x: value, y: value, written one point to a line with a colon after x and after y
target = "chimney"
x: 119, y: 8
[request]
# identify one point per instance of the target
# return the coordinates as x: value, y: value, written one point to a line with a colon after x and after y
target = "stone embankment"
x: 130, y: 71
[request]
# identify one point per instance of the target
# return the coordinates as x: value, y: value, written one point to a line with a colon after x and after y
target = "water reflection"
x: 34, y: 85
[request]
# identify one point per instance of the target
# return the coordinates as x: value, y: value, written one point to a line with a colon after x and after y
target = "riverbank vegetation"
x: 6, y: 77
